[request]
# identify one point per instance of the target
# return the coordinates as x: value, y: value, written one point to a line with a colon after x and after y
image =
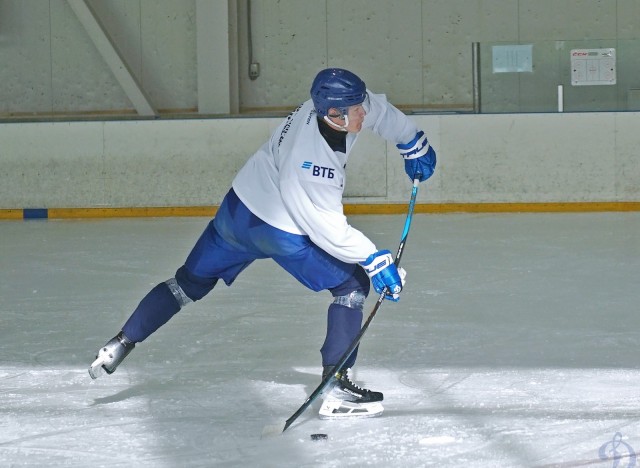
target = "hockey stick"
x: 280, y: 428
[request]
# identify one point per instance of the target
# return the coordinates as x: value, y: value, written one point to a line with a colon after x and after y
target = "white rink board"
x: 503, y: 158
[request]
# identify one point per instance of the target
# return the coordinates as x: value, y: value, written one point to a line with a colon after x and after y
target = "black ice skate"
x: 111, y: 355
x: 347, y: 400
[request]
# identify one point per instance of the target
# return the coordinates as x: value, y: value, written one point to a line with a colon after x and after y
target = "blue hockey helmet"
x: 338, y: 88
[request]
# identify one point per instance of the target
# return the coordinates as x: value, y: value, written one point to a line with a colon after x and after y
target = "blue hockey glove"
x: 384, y: 274
x: 419, y: 157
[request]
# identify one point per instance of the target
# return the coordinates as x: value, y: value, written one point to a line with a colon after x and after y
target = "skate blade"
x: 96, y: 369
x: 332, y: 409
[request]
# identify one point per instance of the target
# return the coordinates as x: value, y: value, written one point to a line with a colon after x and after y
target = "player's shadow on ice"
x: 131, y: 392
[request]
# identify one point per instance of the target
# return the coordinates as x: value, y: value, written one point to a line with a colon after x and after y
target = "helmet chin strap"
x: 338, y: 126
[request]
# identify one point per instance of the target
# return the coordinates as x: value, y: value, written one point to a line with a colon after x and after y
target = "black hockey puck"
x: 317, y: 437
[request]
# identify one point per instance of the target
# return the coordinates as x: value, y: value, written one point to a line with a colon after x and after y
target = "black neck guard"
x: 336, y: 139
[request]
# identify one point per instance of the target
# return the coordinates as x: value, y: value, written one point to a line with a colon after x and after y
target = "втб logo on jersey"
x: 319, y: 171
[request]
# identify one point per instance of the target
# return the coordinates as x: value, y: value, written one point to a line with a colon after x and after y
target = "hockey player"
x: 286, y: 204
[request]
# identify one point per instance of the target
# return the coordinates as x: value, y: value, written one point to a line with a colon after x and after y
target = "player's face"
x: 354, y: 116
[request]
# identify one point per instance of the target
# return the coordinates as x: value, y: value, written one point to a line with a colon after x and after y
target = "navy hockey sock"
x: 342, y: 327
x: 155, y: 309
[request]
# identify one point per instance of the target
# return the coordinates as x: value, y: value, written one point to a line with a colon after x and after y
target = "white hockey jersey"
x: 295, y: 181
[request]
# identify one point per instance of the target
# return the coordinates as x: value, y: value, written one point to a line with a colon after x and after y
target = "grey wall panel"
x: 380, y: 41
x: 418, y: 52
x: 289, y: 42
x: 25, y: 57
x: 566, y: 19
x: 168, y: 36
x: 450, y: 27
x: 81, y: 80
x: 628, y: 18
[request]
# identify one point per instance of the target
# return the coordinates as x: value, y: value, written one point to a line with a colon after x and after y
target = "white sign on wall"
x: 512, y: 58
x: 593, y: 67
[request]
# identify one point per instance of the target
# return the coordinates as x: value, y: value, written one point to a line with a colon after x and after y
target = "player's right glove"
x: 384, y: 274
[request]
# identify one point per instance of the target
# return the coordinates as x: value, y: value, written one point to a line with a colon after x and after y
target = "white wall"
x: 482, y: 158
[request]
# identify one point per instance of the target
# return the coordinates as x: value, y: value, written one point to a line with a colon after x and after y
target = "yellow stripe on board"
x: 577, y: 207
x: 557, y: 207
x: 349, y: 209
x: 11, y: 214
x: 142, y: 212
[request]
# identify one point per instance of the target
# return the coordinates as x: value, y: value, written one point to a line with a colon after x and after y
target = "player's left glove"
x: 384, y: 274
x: 419, y: 157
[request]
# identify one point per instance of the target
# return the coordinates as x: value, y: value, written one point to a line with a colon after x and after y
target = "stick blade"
x: 272, y: 430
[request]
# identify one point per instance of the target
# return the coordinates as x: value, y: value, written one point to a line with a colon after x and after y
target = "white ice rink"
x: 516, y: 344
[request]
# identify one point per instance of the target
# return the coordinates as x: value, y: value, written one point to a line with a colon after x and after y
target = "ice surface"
x: 515, y: 344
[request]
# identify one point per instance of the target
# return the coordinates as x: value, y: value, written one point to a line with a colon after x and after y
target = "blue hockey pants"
x: 229, y: 244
